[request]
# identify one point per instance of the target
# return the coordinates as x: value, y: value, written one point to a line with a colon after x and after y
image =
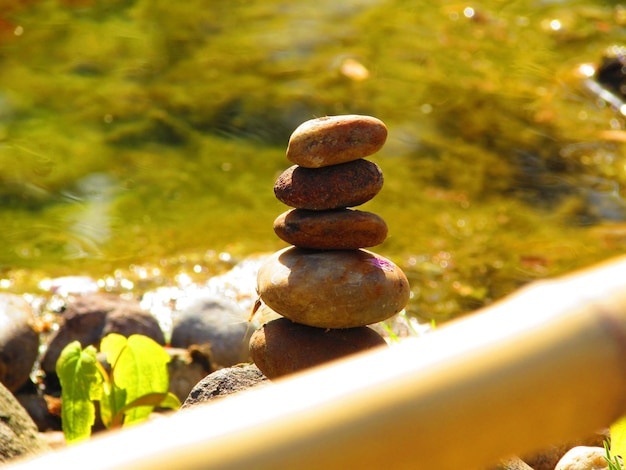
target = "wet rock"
x: 332, y: 289
x: 18, y: 433
x: 19, y: 342
x: 216, y: 322
x: 340, y: 229
x: 282, y: 347
x: 332, y: 140
x: 225, y: 382
x: 583, y: 458
x: 345, y: 185
x: 91, y: 317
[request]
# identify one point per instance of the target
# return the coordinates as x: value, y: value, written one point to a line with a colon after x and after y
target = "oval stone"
x: 335, y: 139
x: 282, y: 347
x: 332, y: 289
x: 19, y: 341
x: 339, y: 229
x: 345, y: 185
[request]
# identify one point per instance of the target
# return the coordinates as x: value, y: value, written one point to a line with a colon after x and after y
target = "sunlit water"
x: 139, y: 141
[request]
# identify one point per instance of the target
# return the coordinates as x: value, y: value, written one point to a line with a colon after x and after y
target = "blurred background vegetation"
x: 141, y: 133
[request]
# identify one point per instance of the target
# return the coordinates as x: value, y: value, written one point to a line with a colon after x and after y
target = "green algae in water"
x: 134, y: 131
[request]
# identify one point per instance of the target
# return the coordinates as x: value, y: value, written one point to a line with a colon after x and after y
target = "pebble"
x: 339, y: 229
x: 19, y: 342
x: 344, y: 185
x: 89, y: 318
x: 332, y: 140
x: 332, y: 289
x: 282, y: 347
x: 216, y: 322
x: 225, y: 382
x: 583, y: 458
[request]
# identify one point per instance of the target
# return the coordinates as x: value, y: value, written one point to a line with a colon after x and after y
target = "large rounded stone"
x: 335, y: 139
x: 340, y: 229
x: 282, y: 347
x: 89, y: 318
x: 332, y: 289
x: 216, y: 322
x: 19, y: 342
x: 345, y: 185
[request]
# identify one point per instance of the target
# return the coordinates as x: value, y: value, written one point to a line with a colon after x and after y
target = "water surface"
x: 141, y: 139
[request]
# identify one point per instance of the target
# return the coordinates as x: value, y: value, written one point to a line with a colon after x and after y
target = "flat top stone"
x: 331, y: 140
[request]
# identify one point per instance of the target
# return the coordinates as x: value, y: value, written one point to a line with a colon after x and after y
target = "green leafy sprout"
x: 612, y: 461
x: 137, y: 383
x: 616, y: 446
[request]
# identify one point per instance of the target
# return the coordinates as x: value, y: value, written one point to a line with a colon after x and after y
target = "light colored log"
x: 546, y: 365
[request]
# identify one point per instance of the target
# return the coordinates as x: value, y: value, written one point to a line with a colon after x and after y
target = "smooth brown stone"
x: 282, y: 347
x: 335, y: 139
x: 339, y: 229
x: 332, y: 289
x: 345, y: 185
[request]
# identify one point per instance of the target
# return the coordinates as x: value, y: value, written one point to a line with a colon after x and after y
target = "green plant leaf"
x: 106, y: 401
x: 612, y: 461
x: 139, y: 368
x: 81, y: 384
x: 112, y: 345
x: 618, y: 437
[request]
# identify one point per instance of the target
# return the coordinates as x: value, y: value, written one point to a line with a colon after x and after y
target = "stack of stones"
x: 326, y: 286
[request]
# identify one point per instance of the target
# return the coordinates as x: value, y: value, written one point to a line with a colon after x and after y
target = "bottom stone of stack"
x: 282, y: 347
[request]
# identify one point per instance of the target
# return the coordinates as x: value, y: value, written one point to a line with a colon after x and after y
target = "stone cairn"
x: 326, y: 286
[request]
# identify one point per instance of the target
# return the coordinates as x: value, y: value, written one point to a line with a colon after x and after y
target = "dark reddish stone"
x: 339, y: 229
x: 346, y: 185
x: 282, y: 347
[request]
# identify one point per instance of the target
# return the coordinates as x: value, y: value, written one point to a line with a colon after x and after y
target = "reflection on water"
x: 603, y: 198
x: 134, y: 133
x: 89, y: 220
